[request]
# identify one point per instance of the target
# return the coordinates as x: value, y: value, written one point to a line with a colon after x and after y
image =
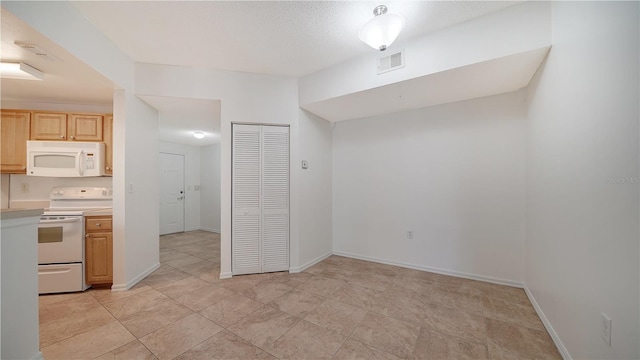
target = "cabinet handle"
x: 61, y: 136
x: 108, y: 168
x: 24, y: 168
x: 72, y: 137
x: 98, y: 224
x: 88, y: 235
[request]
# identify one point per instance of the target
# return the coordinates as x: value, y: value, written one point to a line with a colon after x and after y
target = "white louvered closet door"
x: 260, y: 199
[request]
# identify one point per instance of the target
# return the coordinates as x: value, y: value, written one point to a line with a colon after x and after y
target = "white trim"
x: 489, y: 279
x: 217, y: 231
x: 297, y: 269
x: 131, y: 283
x: 226, y: 275
x: 547, y: 324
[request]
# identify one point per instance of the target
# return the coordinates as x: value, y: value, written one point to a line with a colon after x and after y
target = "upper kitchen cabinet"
x: 66, y: 127
x: 107, y: 134
x: 85, y: 127
x: 15, y: 133
x: 49, y: 126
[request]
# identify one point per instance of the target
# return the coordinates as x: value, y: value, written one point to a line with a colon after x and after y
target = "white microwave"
x: 65, y: 158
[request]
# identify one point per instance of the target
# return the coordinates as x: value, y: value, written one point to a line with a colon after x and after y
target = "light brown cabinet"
x: 85, y: 127
x: 107, y: 135
x: 66, y: 127
x: 49, y: 126
x: 98, y: 250
x: 14, y: 127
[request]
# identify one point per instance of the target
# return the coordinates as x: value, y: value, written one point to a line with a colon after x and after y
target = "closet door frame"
x: 260, y: 206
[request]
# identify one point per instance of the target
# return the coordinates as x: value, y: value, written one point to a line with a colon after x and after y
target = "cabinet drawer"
x: 93, y: 225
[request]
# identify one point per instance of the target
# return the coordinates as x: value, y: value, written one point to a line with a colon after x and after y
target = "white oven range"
x: 61, y: 237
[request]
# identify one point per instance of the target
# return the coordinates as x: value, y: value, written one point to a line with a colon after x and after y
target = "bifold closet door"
x: 260, y: 199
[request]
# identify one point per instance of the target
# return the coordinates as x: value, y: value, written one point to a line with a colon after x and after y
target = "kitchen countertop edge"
x: 99, y: 212
x: 8, y: 214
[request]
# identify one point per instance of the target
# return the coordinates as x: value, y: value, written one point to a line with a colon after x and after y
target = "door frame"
x: 184, y: 178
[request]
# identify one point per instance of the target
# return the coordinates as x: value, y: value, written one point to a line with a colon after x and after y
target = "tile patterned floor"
x: 340, y: 308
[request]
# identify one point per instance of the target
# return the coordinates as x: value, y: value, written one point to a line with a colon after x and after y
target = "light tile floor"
x: 340, y: 308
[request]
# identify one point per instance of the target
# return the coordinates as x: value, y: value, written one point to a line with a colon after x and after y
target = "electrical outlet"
x: 410, y: 234
x: 605, y: 328
x: 24, y: 187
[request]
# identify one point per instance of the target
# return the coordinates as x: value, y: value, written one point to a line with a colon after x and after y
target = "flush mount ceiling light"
x: 382, y: 30
x: 198, y: 134
x: 18, y: 70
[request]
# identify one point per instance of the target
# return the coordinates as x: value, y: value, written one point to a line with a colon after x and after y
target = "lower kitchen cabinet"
x: 98, y: 250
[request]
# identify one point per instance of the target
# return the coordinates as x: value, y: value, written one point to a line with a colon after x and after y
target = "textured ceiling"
x: 292, y: 38
x: 67, y: 81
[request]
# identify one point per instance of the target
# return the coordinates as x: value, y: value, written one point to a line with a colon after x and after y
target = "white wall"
x: 516, y: 29
x: 315, y: 189
x: 140, y: 189
x: 582, y: 179
x: 454, y: 174
x: 135, y: 141
x: 210, y: 187
x: 191, y: 179
x: 246, y: 98
x: 40, y: 187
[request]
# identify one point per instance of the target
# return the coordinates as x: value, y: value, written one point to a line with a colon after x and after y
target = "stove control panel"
x: 81, y: 192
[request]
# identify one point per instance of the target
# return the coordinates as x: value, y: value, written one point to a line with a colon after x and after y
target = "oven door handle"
x: 60, y: 221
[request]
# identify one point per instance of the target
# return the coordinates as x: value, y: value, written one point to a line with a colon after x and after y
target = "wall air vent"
x: 40, y: 52
x: 391, y: 62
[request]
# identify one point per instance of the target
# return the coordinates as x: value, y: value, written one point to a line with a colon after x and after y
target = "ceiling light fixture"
x: 18, y: 70
x: 382, y: 30
x: 198, y: 134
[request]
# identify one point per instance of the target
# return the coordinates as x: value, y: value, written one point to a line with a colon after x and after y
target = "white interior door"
x: 260, y: 199
x: 171, y: 193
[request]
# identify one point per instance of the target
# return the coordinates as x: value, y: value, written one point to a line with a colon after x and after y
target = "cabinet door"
x: 14, y: 126
x: 49, y: 126
x: 99, y: 258
x: 85, y: 127
x: 107, y: 135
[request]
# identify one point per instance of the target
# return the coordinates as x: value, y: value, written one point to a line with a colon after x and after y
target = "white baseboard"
x: 552, y: 332
x: 213, y: 230
x: 131, y: 283
x: 226, y: 275
x: 459, y: 274
x: 297, y: 269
